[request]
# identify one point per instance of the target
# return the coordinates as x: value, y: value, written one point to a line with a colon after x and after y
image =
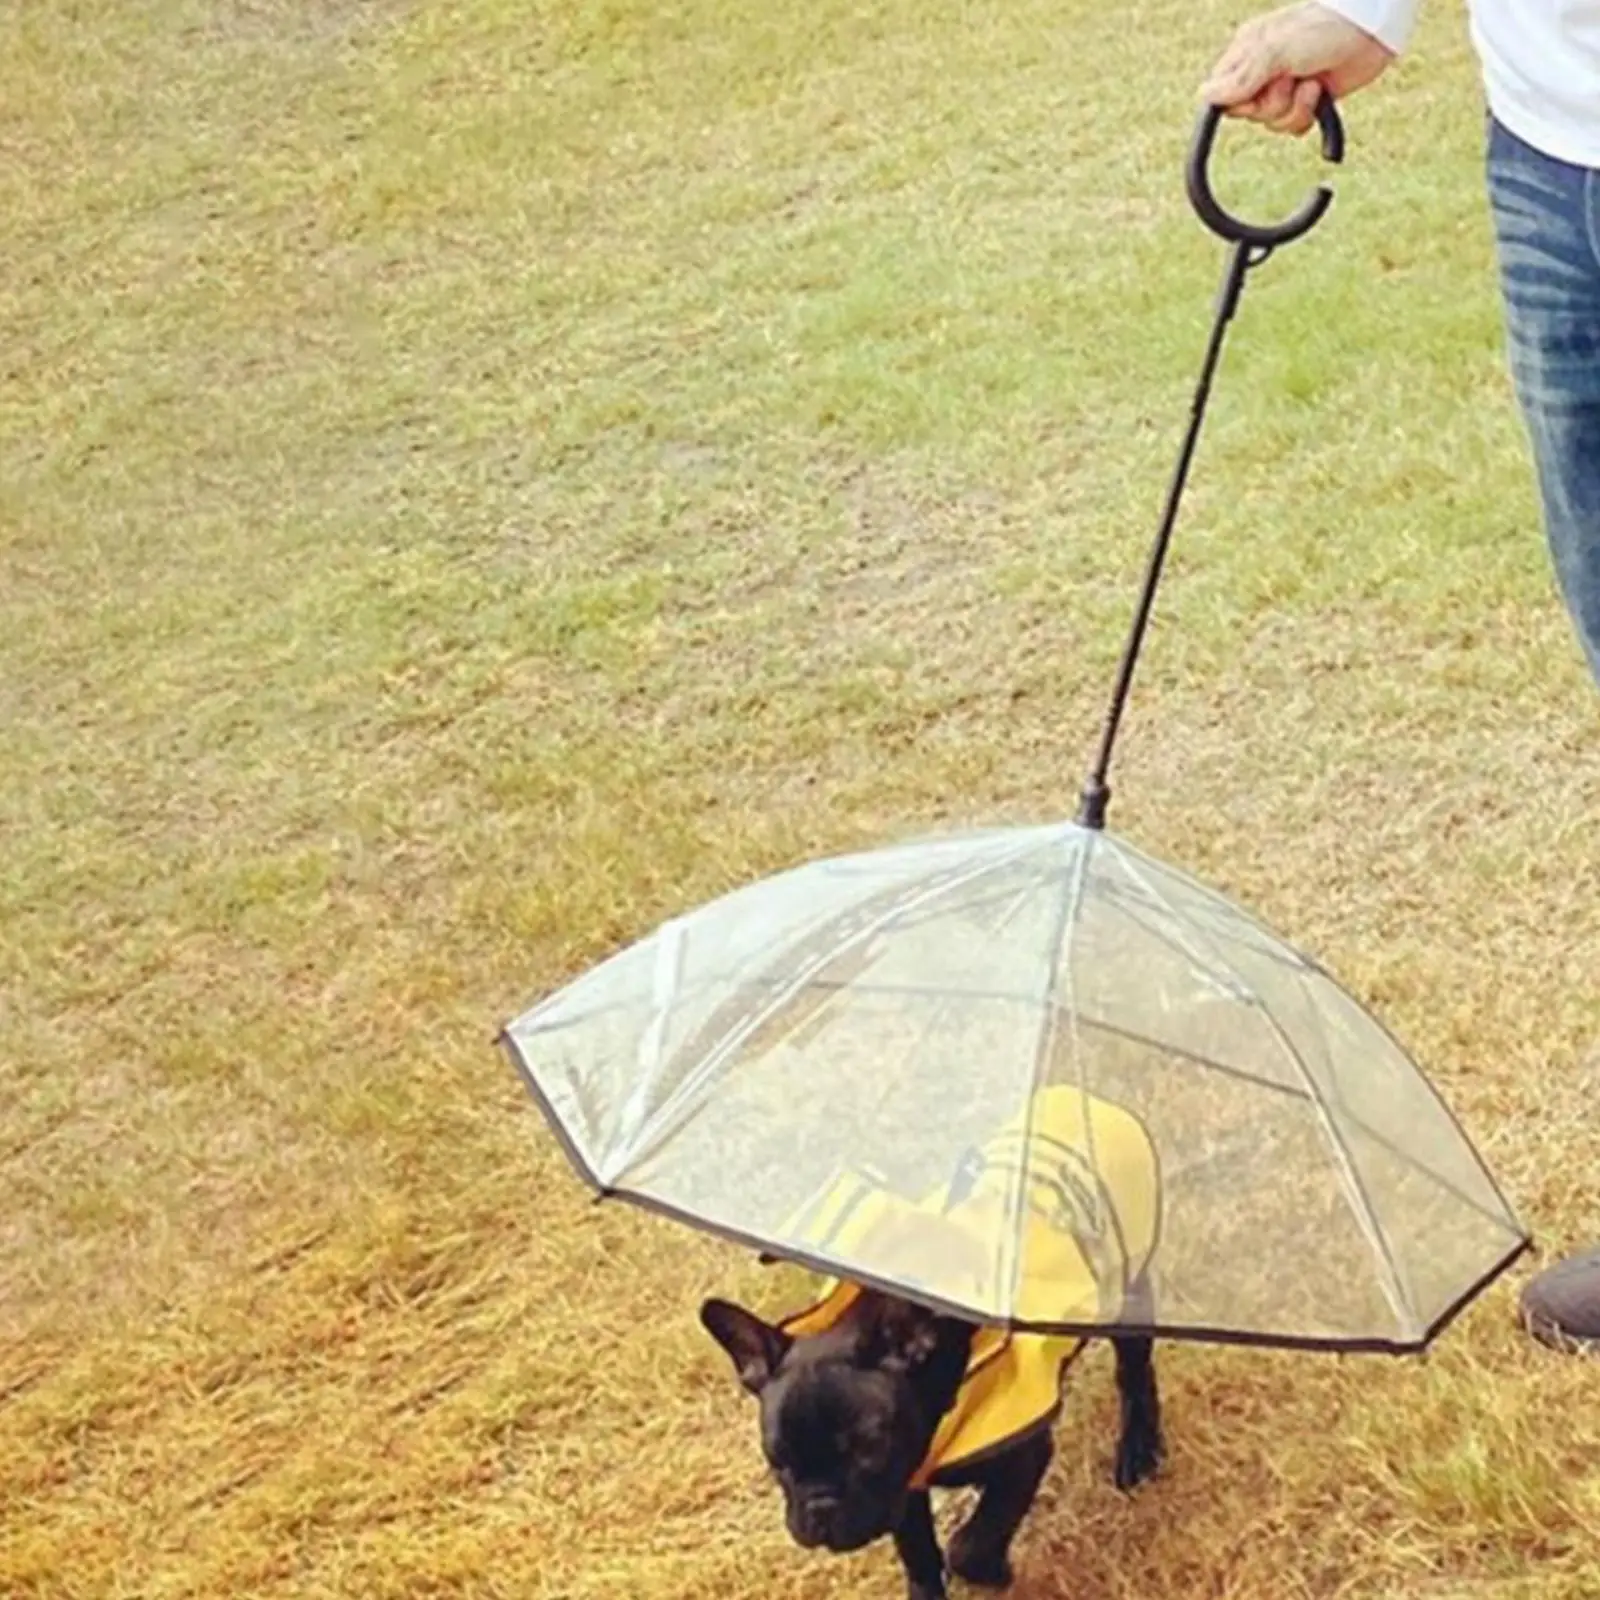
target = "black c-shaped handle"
x: 1228, y: 226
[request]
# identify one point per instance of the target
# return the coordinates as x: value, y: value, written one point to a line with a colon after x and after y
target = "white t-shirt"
x: 1541, y: 64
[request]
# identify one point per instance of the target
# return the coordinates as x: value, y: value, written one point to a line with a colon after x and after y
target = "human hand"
x: 1279, y: 65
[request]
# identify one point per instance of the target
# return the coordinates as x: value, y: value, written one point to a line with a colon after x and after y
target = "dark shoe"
x: 1560, y: 1306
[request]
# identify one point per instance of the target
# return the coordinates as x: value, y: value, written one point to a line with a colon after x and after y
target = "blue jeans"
x: 1547, y: 233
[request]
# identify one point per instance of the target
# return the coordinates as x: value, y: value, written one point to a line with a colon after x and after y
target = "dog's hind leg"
x: 1141, y: 1447
x: 980, y: 1553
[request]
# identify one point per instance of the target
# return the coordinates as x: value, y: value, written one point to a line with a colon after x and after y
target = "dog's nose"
x: 816, y: 1521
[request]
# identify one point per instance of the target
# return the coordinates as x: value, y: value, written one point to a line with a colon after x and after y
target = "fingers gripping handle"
x: 1230, y: 227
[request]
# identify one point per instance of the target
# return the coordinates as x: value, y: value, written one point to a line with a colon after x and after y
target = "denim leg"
x: 1547, y: 232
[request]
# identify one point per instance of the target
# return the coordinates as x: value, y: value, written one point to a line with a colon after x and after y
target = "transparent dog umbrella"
x: 1032, y: 1076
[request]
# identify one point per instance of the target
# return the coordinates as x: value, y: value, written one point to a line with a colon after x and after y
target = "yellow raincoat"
x: 1086, y: 1175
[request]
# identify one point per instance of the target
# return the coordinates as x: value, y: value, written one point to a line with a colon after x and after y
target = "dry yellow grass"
x: 474, y: 478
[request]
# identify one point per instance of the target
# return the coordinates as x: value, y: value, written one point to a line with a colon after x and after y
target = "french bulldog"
x: 848, y: 1416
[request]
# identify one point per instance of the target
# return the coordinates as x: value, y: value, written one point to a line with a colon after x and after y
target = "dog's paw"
x: 925, y: 1591
x: 987, y: 1569
x: 1139, y: 1455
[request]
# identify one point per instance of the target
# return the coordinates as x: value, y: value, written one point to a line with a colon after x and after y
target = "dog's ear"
x: 755, y: 1347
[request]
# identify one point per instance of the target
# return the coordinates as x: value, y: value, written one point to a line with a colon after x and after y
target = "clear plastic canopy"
x: 1035, y: 1077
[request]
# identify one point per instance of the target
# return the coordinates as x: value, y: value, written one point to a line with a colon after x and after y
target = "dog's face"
x: 847, y: 1416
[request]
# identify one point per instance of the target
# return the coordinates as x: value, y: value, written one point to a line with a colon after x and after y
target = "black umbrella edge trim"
x: 557, y: 1127
x: 1077, y: 1330
x: 1082, y: 1330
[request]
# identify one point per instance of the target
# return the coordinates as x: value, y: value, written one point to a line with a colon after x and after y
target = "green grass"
x: 475, y: 479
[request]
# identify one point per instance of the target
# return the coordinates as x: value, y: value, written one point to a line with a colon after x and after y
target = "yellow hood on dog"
x: 1082, y: 1176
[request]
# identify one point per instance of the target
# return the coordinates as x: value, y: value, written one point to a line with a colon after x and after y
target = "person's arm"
x: 1279, y: 65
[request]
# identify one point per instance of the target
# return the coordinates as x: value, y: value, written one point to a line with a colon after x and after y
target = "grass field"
x: 475, y: 478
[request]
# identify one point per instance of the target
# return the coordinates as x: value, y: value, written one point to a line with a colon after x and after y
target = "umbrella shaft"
x: 1096, y: 792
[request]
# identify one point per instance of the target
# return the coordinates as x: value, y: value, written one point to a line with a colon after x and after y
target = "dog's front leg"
x: 917, y: 1545
x: 980, y: 1553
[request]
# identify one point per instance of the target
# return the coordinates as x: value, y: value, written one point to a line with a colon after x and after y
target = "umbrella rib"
x: 1347, y: 1162
x: 1099, y: 1024
x: 1449, y: 1115
x: 816, y: 928
x: 839, y: 868
x: 1066, y: 922
x: 1305, y: 966
x: 1171, y: 937
x: 1285, y: 954
x: 1449, y: 1186
x: 942, y: 1007
x: 733, y: 1033
x: 1355, y: 1186
x: 660, y: 1125
x: 666, y: 979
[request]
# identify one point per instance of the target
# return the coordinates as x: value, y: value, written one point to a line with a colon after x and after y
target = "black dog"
x: 849, y: 1414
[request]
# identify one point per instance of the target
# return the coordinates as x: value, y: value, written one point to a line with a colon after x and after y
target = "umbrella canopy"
x: 1030, y: 1075
x: 1035, y: 1077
